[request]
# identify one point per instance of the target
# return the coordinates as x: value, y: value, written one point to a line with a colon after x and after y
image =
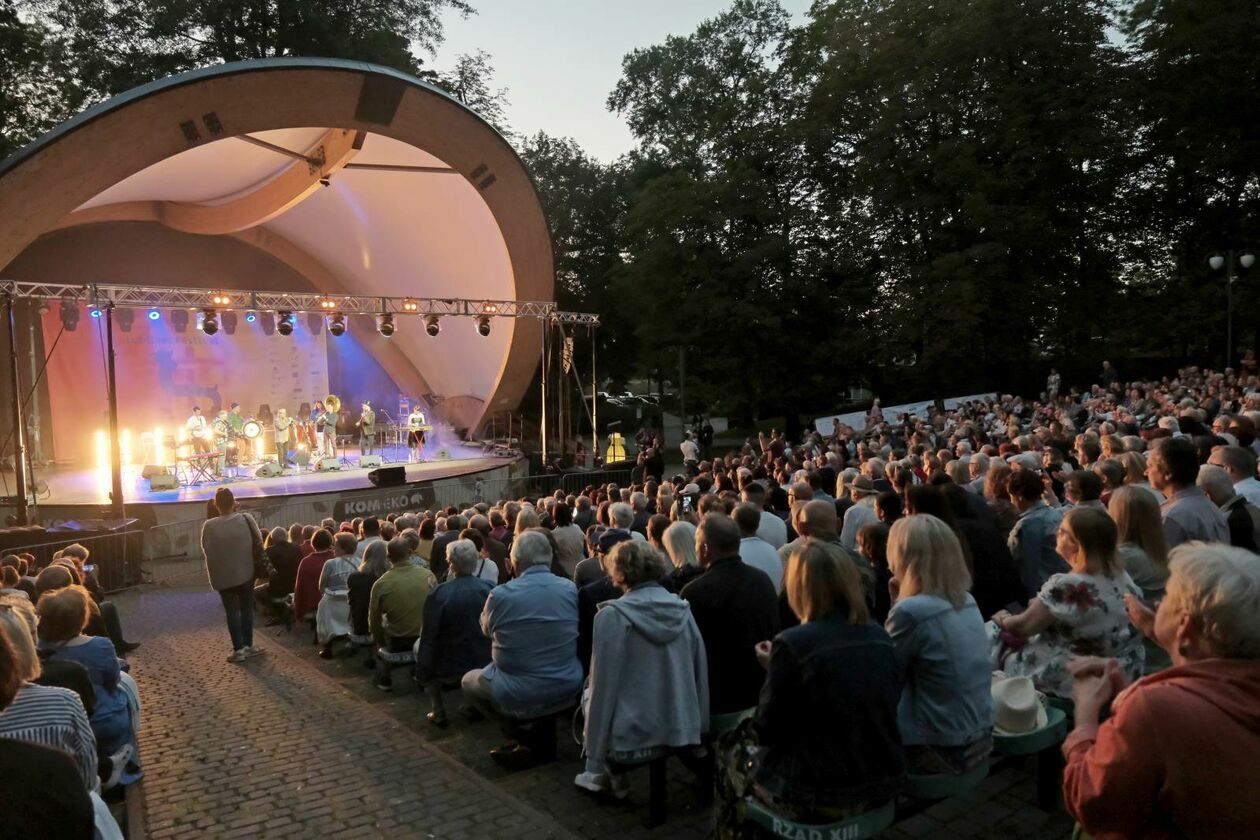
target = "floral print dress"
x: 1089, y: 620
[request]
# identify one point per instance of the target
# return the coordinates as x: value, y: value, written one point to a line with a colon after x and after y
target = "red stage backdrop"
x: 161, y: 374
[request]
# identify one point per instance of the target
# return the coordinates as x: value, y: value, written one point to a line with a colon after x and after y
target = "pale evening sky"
x: 559, y: 59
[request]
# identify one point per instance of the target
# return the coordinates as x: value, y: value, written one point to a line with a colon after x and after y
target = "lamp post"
x: 1230, y: 262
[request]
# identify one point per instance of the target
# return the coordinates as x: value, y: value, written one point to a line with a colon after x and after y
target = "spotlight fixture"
x: 69, y: 313
x: 284, y: 323
x: 230, y: 321
x: 490, y: 307
x: 94, y: 310
x: 251, y: 316
x: 314, y: 322
x: 155, y: 315
x: 220, y: 299
x: 323, y: 182
x: 337, y: 324
x: 267, y: 322
x: 43, y: 307
x: 483, y: 325
x: 410, y: 305
x: 126, y: 318
x: 433, y: 325
x: 327, y: 304
x: 385, y: 324
x: 208, y: 323
x: 179, y: 319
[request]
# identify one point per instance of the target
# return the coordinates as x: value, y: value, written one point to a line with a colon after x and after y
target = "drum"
x: 252, y: 428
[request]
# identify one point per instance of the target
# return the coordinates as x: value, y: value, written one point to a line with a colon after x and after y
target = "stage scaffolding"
x: 108, y: 297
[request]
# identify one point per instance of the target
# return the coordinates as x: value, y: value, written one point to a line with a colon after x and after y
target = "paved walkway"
x: 292, y: 744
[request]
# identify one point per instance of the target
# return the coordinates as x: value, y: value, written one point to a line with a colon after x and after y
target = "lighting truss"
x: 149, y: 297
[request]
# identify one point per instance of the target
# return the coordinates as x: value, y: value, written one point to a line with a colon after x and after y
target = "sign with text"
x: 409, y: 498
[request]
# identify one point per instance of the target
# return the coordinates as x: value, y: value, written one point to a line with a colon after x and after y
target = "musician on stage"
x: 331, y: 418
x: 415, y: 435
x: 222, y: 437
x: 236, y: 421
x: 197, y: 429
x: 367, y: 429
x: 283, y: 424
x: 316, y: 424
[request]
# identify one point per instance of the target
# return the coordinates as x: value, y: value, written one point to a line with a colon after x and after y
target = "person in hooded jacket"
x: 649, y: 683
x: 1177, y: 757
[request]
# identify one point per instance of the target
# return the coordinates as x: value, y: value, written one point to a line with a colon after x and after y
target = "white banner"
x: 857, y: 419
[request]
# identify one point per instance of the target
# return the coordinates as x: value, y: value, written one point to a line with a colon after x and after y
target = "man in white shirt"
x: 861, y: 514
x: 772, y: 529
x: 198, y: 429
x: 753, y: 550
x: 690, y: 451
x: 1240, y: 464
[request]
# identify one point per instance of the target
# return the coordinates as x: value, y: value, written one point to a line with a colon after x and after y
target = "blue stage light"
x: 251, y: 317
x: 96, y: 313
x: 154, y: 315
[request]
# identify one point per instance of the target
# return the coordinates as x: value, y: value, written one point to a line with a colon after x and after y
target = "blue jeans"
x: 238, y: 603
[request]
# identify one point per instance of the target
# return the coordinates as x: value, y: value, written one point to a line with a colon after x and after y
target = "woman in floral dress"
x: 1076, y: 613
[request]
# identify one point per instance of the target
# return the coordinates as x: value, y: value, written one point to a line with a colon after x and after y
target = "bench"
x: 655, y: 759
x: 1044, y: 744
x: 857, y: 827
x: 945, y: 785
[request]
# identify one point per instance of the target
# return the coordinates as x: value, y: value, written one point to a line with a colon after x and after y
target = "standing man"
x: 415, y: 435
x: 1107, y: 376
x: 1053, y: 381
x: 198, y: 429
x: 690, y: 454
x: 331, y: 418
x: 222, y: 436
x: 284, y: 425
x: 235, y: 420
x: 367, y: 429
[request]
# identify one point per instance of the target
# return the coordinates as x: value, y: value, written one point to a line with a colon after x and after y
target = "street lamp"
x: 1230, y: 263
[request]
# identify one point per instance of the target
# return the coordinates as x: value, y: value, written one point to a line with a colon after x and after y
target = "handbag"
x: 262, y: 566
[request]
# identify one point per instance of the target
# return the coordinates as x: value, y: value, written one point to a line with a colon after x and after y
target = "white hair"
x: 680, y: 544
x: 1220, y: 586
x: 622, y: 514
x: 531, y: 549
x: 462, y: 555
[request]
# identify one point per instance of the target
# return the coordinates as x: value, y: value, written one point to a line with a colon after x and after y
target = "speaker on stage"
x: 151, y: 470
x: 268, y: 470
x: 442, y: 455
x: 163, y: 481
x: 366, y: 461
x: 388, y: 476
x: 329, y: 465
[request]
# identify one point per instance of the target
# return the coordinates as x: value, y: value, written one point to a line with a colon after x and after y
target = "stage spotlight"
x: 483, y: 325
x: 43, y: 308
x: 94, y: 310
x: 179, y: 319
x: 337, y: 324
x: 327, y: 303
x: 385, y: 324
x: 410, y: 305
x: 267, y: 322
x: 69, y: 313
x: 126, y: 318
x: 314, y: 322
x: 433, y: 325
x: 208, y: 323
x: 251, y: 317
x: 284, y: 324
x: 154, y: 315
x: 220, y: 299
x: 229, y: 320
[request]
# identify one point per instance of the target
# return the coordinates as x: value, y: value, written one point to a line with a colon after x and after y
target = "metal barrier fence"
x: 170, y: 553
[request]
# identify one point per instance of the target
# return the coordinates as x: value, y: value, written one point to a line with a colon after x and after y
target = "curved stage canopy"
x: 299, y: 175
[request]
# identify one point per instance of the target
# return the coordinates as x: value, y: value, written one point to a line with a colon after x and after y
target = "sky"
x: 559, y: 59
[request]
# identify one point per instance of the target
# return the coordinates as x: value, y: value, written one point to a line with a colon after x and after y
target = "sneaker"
x: 383, y: 686
x: 619, y: 785
x: 253, y: 650
x: 593, y: 782
x: 238, y: 656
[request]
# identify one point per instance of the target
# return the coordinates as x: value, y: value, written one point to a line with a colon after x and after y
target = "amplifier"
x: 368, y: 461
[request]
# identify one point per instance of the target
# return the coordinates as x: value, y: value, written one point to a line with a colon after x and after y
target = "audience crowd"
x: 837, y: 608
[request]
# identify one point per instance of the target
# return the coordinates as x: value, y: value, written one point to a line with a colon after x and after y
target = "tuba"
x: 332, y: 403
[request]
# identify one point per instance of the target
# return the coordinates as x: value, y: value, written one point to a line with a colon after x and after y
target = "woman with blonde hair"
x: 1135, y: 474
x: 1075, y: 613
x: 1177, y: 756
x: 1141, y: 547
x: 822, y: 745
x: 946, y: 711
x: 679, y: 540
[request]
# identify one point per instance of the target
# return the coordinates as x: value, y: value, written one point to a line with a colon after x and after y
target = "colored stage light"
x: 433, y: 325
x: 208, y: 323
x: 284, y: 324
x: 410, y: 305
x: 337, y: 324
x: 483, y: 325
x: 95, y: 311
x: 220, y: 299
x: 327, y: 303
x: 251, y: 317
x: 154, y: 315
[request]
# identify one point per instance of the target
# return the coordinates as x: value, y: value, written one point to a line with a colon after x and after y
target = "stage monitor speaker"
x: 442, y: 455
x: 329, y: 465
x: 388, y: 476
x: 367, y: 461
x: 268, y: 470
x: 302, y: 457
x: 151, y: 470
x: 163, y: 481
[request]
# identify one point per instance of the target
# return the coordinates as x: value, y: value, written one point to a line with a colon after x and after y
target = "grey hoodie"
x: 649, y: 683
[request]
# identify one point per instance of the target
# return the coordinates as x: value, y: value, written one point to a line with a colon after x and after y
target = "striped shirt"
x: 53, y: 717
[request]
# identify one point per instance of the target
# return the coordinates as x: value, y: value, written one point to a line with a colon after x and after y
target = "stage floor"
x: 91, y: 487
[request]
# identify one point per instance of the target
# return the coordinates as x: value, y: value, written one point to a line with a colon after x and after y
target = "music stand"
x: 345, y: 440
x: 385, y: 459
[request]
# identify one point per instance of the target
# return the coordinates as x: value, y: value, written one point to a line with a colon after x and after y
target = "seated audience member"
x: 452, y: 643
x: 63, y: 615
x: 569, y: 539
x: 591, y: 569
x: 487, y: 569
x: 1240, y: 464
x: 332, y: 616
x: 861, y: 512
x: 106, y: 610
x: 1173, y: 469
x: 1083, y: 488
x: 397, y: 604
x: 1076, y: 613
x: 1177, y: 756
x: 52, y: 801
x: 823, y: 744
x: 995, y: 581
x: 872, y: 543
x: 284, y: 557
x: 679, y: 540
x: 493, y: 549
x: 533, y: 623
x: 25, y: 582
x: 590, y: 598
x: 1140, y: 535
x: 755, y: 551
x: 735, y: 608
x: 648, y: 683
x: 1241, y: 516
x: 370, y: 530
x: 437, y: 557
x: 373, y: 563
x: 9, y: 580
x: 818, y: 521
x: 424, y: 548
x: 1032, y: 539
x: 772, y: 528
x: 306, y: 583
x: 657, y: 523
x: 946, y: 711
x: 45, y: 715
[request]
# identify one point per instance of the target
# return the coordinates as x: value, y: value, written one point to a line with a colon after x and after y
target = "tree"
x: 36, y: 91
x: 470, y: 81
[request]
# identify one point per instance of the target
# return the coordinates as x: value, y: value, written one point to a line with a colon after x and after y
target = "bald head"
x: 716, y: 538
x: 818, y: 520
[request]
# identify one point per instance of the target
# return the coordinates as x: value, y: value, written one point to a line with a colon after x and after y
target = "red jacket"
x: 1179, y: 757
x: 306, y: 592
